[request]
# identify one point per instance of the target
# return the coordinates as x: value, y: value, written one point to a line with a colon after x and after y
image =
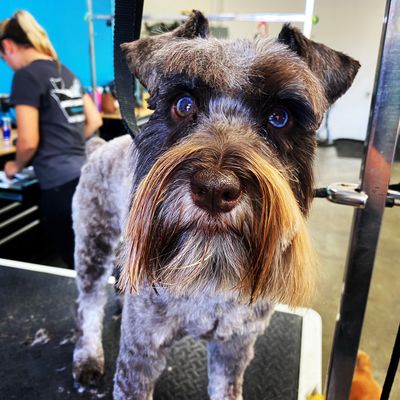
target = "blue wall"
x: 64, y: 22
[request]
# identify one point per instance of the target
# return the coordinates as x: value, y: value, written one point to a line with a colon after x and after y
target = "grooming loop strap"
x: 127, y: 25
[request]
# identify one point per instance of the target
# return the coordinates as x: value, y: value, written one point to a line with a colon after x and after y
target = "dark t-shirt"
x: 57, y: 94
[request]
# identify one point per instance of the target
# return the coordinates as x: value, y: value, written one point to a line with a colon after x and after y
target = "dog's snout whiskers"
x: 215, y: 191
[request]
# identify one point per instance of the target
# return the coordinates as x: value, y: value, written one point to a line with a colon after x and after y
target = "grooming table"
x: 19, y: 212
x: 37, y: 308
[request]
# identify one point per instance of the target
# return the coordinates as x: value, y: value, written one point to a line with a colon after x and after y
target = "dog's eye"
x: 279, y: 117
x: 183, y: 107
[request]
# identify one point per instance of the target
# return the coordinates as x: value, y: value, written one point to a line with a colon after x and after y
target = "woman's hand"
x: 93, y: 119
x: 11, y: 168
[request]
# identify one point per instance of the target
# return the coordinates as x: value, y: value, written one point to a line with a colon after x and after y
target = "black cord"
x: 393, y: 365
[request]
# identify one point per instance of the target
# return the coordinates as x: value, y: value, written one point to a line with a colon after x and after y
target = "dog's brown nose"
x: 215, y: 191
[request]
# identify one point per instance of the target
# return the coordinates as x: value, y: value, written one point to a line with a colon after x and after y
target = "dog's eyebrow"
x: 182, y: 82
x: 301, y: 107
x: 222, y: 64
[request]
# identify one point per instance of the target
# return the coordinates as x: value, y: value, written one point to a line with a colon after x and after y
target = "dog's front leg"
x: 88, y: 357
x: 227, y: 361
x: 97, y: 231
x: 146, y: 332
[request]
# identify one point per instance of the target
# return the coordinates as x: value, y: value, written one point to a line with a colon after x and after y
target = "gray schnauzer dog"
x: 210, y: 199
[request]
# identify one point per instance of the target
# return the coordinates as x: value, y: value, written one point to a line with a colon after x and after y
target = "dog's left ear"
x: 335, y: 70
x: 141, y: 54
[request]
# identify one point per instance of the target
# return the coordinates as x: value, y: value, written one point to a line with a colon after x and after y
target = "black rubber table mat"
x: 32, y: 301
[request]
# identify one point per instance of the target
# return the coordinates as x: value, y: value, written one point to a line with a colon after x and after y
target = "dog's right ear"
x: 335, y: 70
x: 195, y: 26
x: 140, y: 54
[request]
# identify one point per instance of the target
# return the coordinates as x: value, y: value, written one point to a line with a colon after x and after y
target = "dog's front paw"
x: 87, y: 370
x: 87, y: 374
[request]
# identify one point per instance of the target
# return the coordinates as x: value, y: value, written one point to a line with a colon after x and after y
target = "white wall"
x: 354, y: 27
x: 351, y: 26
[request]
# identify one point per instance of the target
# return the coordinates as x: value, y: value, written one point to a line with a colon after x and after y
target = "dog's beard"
x: 260, y: 249
x: 200, y: 251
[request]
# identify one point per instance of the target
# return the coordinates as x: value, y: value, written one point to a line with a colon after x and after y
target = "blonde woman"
x: 53, y: 118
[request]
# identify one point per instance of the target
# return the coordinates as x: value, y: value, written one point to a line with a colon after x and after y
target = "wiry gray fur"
x: 152, y: 320
x: 99, y: 207
x: 200, y: 271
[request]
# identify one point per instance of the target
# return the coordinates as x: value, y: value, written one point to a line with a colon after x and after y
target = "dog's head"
x: 224, y: 178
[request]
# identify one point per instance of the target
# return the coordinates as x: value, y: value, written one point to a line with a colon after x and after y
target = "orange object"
x: 364, y: 386
x: 108, y: 103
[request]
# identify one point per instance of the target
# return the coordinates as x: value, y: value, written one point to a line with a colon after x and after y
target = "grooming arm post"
x: 375, y: 175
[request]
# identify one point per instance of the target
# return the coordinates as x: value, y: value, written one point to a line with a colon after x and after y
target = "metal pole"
x: 383, y: 130
x: 308, y: 18
x: 92, y: 50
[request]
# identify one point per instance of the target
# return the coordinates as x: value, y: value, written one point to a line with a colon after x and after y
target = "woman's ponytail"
x: 24, y: 30
x: 36, y: 35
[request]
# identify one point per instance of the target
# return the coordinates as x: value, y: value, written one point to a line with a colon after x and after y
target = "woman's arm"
x: 92, y: 115
x: 28, y: 138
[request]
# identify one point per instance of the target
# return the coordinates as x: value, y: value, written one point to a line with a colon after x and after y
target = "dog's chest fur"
x: 216, y: 317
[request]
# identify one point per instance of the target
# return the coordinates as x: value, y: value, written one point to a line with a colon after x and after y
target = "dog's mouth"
x: 202, y: 233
